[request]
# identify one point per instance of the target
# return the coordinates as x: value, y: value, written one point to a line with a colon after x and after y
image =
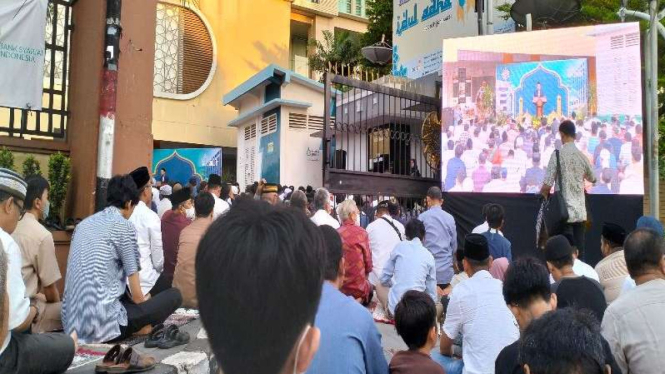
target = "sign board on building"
x: 183, y: 163
x: 22, y: 30
x: 420, y: 25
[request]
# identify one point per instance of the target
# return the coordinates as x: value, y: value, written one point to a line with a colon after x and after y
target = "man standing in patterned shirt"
x: 575, y: 168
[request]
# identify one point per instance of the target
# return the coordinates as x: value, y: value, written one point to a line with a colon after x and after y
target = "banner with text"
x: 420, y: 25
x: 22, y: 30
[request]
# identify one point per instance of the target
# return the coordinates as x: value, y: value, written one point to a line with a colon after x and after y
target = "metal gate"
x: 51, y: 121
x: 381, y: 143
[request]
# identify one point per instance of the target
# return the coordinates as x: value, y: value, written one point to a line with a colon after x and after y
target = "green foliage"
x: 6, y: 159
x: 342, y: 48
x: 504, y: 10
x: 58, y: 175
x: 380, y: 15
x: 31, y: 167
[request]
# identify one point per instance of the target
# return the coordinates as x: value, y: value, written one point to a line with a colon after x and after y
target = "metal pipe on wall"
x: 107, y: 106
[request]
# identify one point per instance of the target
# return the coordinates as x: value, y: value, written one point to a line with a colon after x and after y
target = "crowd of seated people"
x: 483, y: 156
x: 472, y: 309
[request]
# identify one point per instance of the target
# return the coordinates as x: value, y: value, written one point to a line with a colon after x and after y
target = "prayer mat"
x: 379, y: 314
x: 89, y: 353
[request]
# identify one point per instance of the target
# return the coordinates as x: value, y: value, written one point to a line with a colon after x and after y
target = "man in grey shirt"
x: 575, y: 168
x: 440, y: 236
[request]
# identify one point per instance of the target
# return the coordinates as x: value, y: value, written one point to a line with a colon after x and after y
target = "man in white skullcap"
x: 164, y: 204
x: 20, y: 352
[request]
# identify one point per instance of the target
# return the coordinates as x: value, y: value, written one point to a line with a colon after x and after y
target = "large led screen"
x: 504, y: 97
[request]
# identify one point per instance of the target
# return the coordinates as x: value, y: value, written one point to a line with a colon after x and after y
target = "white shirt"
x: 628, y: 285
x: 478, y: 311
x: 321, y: 217
x: 582, y: 268
x: 483, y: 228
x: 19, y: 304
x: 149, y: 239
x: 634, y: 328
x: 163, y: 206
x: 382, y: 241
x: 220, y: 208
x: 155, y: 195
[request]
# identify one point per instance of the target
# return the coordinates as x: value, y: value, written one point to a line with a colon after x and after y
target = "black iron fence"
x: 51, y: 121
x: 380, y: 140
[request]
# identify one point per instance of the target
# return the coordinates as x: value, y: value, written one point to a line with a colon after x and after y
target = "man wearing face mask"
x: 149, y: 236
x: 357, y: 255
x: 173, y: 222
x: 40, y: 269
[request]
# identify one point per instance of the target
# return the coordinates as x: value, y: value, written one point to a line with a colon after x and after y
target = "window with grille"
x: 348, y: 6
x: 184, y: 52
x: 359, y: 8
x: 269, y: 124
x: 51, y: 121
x: 298, y: 121
x: 250, y: 132
x: 301, y: 121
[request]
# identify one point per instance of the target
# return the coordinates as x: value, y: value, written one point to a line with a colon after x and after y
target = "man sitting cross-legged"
x: 22, y: 352
x: 410, y: 267
x: 384, y: 234
x: 103, y: 260
x: 498, y: 244
x: 259, y: 272
x: 350, y: 341
x: 571, y: 289
x: 148, y: 228
x: 40, y: 269
x: 477, y: 310
x: 184, y: 277
x: 526, y: 289
x: 612, y: 270
x: 415, y: 322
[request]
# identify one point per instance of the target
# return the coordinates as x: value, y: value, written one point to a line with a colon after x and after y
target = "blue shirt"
x: 441, y: 241
x: 410, y: 267
x: 455, y: 165
x: 350, y: 342
x: 498, y: 245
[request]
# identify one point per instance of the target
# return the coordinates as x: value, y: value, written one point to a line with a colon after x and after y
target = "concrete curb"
x: 189, y: 362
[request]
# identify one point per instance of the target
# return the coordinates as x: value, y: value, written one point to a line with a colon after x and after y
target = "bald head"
x: 644, y: 250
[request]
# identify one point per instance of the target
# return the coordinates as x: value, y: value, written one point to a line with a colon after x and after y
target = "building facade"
x: 280, y: 118
x: 205, y: 48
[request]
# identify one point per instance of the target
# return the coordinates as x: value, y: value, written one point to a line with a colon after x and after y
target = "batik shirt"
x: 102, y: 255
x: 357, y: 259
x: 575, y: 168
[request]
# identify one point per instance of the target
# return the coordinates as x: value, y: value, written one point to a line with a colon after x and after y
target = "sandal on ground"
x: 173, y: 337
x: 155, y: 336
x: 132, y: 362
x: 110, y: 359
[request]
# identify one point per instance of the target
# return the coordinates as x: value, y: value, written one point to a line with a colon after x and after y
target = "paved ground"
x: 196, y: 358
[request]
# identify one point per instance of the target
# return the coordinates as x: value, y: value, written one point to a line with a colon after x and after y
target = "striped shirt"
x: 103, y: 254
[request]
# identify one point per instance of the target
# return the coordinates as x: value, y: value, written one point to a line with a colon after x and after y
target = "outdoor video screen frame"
x: 504, y: 97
